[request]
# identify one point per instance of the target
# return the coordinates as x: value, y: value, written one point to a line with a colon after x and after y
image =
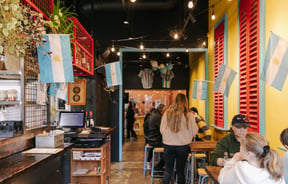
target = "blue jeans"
x: 180, y: 154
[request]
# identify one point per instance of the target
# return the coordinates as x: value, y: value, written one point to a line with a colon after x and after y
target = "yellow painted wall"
x: 276, y: 105
x: 231, y: 8
x: 197, y: 72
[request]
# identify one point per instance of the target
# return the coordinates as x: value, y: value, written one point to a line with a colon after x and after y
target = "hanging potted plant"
x: 21, y: 28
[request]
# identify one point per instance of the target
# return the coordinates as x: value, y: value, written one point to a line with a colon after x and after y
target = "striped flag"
x: 59, y: 90
x: 113, y: 74
x: 224, y: 79
x: 275, y: 67
x: 55, y: 59
x: 200, y: 90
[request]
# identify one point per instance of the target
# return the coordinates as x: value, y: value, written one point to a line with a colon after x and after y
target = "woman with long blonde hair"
x: 256, y: 163
x: 178, y: 128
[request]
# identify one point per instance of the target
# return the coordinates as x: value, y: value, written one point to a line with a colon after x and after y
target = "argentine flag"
x: 113, y: 74
x: 200, y: 89
x: 224, y: 79
x: 275, y: 67
x: 55, y: 59
x: 59, y: 90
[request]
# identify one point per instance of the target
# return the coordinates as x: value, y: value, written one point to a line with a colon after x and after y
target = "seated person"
x: 231, y: 142
x: 155, y: 137
x: 284, y: 141
x: 146, y: 125
x: 256, y: 163
x: 204, y: 133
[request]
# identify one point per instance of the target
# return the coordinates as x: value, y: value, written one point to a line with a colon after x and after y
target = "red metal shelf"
x: 45, y: 7
x: 83, y: 50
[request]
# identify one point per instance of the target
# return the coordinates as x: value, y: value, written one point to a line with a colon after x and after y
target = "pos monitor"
x: 72, y: 120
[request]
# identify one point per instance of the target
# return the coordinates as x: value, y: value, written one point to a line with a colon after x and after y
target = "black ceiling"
x: 150, y: 21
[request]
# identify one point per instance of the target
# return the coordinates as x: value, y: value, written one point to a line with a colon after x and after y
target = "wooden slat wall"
x: 218, y: 59
x: 249, y: 61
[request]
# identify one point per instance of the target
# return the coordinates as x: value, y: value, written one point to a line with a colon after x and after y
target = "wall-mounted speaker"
x: 77, y: 92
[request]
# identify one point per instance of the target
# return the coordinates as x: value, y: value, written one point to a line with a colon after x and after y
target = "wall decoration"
x: 77, y: 92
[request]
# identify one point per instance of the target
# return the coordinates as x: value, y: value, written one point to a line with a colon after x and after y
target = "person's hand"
x: 237, y: 156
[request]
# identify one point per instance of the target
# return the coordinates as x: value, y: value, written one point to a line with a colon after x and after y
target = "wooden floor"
x: 130, y: 170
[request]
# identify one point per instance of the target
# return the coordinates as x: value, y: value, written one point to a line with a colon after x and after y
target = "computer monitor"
x: 72, y: 120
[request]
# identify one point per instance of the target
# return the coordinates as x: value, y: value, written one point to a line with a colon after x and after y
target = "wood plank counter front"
x: 18, y: 164
x: 213, y: 173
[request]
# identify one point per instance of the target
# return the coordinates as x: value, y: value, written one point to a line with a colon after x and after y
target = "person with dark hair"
x: 256, y: 163
x: 204, y: 133
x: 130, y: 117
x: 178, y: 127
x: 155, y: 138
x: 284, y: 141
x: 230, y: 143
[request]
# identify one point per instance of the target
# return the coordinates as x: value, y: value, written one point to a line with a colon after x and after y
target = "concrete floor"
x: 130, y: 170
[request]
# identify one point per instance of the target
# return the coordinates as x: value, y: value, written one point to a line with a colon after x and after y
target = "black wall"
x: 132, y: 81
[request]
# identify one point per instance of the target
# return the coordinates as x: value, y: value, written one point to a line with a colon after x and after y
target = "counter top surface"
x: 18, y: 163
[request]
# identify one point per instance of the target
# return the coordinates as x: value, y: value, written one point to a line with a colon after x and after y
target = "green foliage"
x: 58, y: 22
x: 20, y: 27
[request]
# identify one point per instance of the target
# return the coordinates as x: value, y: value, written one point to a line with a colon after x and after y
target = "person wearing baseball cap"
x: 230, y: 143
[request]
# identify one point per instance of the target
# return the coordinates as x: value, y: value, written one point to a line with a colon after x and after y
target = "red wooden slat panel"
x: 218, y: 59
x: 249, y: 61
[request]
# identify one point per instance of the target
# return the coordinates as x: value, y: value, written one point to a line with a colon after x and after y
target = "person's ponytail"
x: 272, y: 162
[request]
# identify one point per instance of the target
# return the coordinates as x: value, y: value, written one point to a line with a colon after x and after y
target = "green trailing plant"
x: 21, y: 27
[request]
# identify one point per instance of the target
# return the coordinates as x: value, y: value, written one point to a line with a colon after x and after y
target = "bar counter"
x: 17, y: 167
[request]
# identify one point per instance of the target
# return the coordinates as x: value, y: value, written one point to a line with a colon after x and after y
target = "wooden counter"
x: 16, y: 168
x: 213, y: 173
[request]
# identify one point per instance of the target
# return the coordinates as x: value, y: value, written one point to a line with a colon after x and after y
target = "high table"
x: 201, y: 146
x: 213, y: 173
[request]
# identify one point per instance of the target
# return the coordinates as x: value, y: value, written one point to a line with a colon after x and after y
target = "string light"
x: 118, y: 53
x: 213, y: 15
x: 141, y: 46
x: 168, y: 54
x: 190, y: 4
x: 113, y: 48
x: 144, y: 56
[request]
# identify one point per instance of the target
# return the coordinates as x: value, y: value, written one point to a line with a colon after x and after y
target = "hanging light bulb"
x: 213, y: 15
x: 187, y: 50
x: 168, y: 54
x: 190, y: 4
x: 113, y: 48
x: 118, y: 53
x: 132, y: 1
x: 144, y: 56
x: 141, y: 46
x: 176, y: 36
x: 204, y: 44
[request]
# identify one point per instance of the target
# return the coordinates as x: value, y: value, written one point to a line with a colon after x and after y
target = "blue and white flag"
x: 224, y: 79
x: 55, y: 59
x: 113, y: 74
x: 59, y: 90
x: 200, y: 90
x: 275, y: 67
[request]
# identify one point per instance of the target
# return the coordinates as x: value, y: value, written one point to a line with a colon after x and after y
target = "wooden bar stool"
x: 146, y: 149
x: 153, y: 172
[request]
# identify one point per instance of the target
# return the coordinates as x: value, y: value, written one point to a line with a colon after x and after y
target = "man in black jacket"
x: 155, y: 137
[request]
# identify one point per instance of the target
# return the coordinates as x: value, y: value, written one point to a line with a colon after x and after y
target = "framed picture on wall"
x: 77, y: 92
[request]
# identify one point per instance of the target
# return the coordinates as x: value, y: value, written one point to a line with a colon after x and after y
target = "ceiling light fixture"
x: 204, y: 44
x: 141, y: 46
x: 187, y: 50
x: 118, y: 53
x: 168, y: 54
x: 213, y: 15
x: 190, y: 4
x: 176, y: 36
x: 132, y: 1
x: 144, y: 56
x: 125, y: 22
